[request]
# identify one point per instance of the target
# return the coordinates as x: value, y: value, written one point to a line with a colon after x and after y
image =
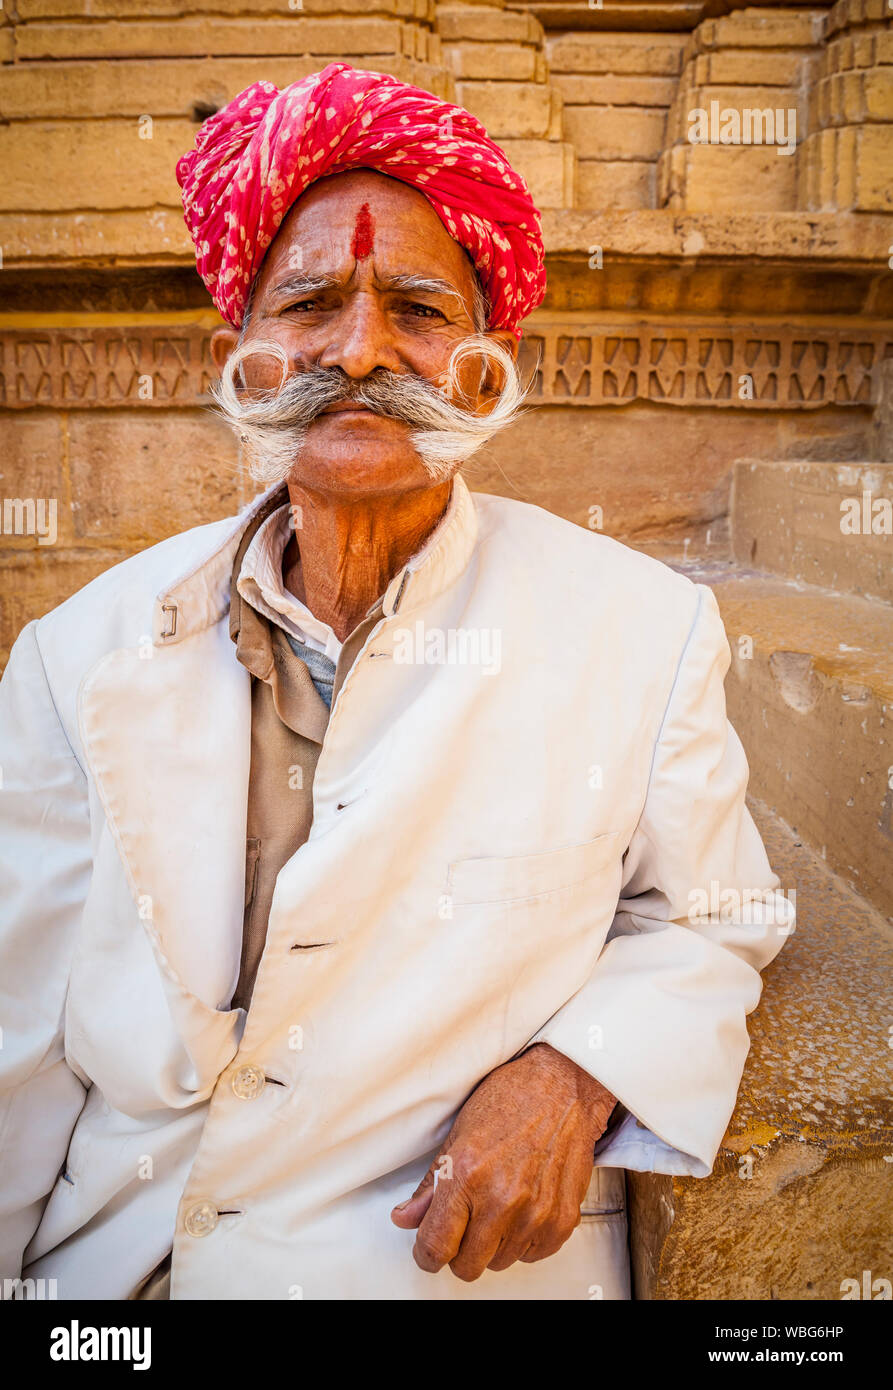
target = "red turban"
x: 256, y: 156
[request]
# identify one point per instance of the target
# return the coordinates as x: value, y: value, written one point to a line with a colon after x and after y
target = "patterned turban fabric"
x: 257, y: 155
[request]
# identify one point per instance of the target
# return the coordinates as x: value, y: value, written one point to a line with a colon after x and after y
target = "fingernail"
x: 401, y: 1206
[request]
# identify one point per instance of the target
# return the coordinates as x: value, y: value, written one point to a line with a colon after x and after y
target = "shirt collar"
x: 261, y: 584
x: 201, y: 596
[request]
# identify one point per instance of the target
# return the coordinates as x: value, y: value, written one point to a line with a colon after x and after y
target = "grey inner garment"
x: 322, y: 670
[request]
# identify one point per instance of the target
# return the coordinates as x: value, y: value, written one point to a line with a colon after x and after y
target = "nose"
x: 361, y: 338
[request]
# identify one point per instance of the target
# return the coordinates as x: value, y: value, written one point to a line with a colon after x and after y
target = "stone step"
x: 810, y: 693
x: 823, y: 523
x: 801, y: 1196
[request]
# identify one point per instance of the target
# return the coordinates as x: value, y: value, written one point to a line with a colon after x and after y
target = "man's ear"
x: 493, y: 381
x: 223, y: 341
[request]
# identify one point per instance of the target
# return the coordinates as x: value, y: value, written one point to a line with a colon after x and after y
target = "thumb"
x: 410, y: 1214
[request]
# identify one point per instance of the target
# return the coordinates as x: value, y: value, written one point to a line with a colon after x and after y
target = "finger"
x: 542, y: 1249
x: 479, y: 1245
x: 409, y: 1214
x: 442, y: 1228
x: 522, y: 1236
x: 512, y: 1248
x: 549, y: 1241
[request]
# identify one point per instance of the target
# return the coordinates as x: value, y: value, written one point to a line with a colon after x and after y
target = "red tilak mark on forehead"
x: 363, y: 234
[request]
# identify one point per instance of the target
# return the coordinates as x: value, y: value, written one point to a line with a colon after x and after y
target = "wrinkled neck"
x: 345, y: 552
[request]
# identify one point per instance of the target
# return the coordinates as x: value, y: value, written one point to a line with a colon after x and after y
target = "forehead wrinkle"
x: 310, y: 284
x: 327, y: 233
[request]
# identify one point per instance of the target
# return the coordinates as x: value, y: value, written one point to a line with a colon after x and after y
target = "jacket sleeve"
x: 661, y: 1021
x: 44, y: 874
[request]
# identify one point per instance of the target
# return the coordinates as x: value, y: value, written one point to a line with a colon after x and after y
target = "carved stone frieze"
x: 573, y: 363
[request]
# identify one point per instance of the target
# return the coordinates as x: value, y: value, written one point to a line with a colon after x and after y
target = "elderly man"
x: 364, y: 851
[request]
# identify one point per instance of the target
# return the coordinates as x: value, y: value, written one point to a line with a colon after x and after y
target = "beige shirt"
x: 288, y: 720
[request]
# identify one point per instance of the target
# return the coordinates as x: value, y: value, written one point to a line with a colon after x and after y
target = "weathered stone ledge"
x: 770, y: 236
x: 157, y: 236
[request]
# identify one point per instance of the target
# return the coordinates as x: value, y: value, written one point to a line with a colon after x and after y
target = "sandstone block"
x: 787, y: 518
x: 173, y: 9
x: 863, y: 50
x: 185, y: 38
x: 883, y: 47
x: 7, y: 45
x: 820, y: 158
x: 47, y: 238
x: 549, y: 168
x: 615, y: 132
x: 656, y: 55
x: 748, y: 98
x: 821, y: 106
x: 118, y: 459
x: 513, y: 109
x: 844, y: 163
x: 751, y: 65
x: 815, y: 170
x: 848, y: 14
x: 32, y: 447
x: 604, y: 90
x: 623, y: 184
x: 483, y: 24
x: 810, y: 692
x: 847, y: 167
x: 868, y: 95
x: 845, y: 52
x: 874, y: 161
x: 488, y: 60
x: 806, y: 182
x: 735, y: 178
x: 761, y: 28
x: 46, y: 163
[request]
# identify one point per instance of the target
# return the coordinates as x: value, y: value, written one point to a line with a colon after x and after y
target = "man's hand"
x: 510, y: 1178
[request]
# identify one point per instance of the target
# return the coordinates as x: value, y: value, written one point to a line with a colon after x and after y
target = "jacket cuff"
x: 661, y: 1023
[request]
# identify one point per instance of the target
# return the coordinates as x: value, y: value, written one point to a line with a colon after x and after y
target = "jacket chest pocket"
x: 521, y: 936
x: 527, y: 878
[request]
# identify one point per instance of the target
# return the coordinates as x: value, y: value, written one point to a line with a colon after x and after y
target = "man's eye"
x: 301, y: 304
x: 424, y: 311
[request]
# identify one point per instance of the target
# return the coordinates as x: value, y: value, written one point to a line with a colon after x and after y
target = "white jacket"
x: 478, y: 836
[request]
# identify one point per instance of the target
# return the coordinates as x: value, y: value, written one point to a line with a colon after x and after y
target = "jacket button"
x: 201, y: 1219
x: 248, y: 1082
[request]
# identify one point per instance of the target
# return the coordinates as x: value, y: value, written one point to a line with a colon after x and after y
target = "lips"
x: 341, y: 406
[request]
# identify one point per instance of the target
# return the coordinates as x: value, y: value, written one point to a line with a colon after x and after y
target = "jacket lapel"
x: 166, y: 730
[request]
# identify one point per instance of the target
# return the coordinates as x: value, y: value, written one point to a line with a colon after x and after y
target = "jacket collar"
x: 201, y: 596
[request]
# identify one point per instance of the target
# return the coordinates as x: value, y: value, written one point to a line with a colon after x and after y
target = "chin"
x: 361, y: 468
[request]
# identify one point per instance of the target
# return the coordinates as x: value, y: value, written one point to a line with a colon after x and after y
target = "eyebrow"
x: 312, y: 284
